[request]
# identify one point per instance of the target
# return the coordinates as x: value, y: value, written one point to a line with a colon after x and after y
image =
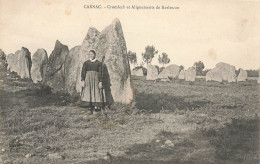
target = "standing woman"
x: 92, y: 75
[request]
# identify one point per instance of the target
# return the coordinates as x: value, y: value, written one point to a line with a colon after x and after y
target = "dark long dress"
x: 91, y: 74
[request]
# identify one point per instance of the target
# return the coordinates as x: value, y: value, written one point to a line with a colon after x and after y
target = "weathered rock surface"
x: 110, y: 47
x: 222, y: 72
x: 54, y: 76
x: 182, y: 75
x: 171, y: 71
x: 55, y: 156
x: 11, y: 61
x: 213, y: 75
x: 72, y: 64
x: 20, y: 62
x: 242, y: 76
x: 190, y: 74
x: 137, y: 72
x: 258, y: 81
x: 169, y: 143
x: 39, y: 65
x: 3, y: 62
x: 152, y: 72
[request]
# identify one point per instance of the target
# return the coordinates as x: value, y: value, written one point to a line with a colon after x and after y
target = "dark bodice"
x: 91, y: 66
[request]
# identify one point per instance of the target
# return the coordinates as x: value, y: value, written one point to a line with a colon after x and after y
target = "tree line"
x: 163, y: 59
x: 150, y: 52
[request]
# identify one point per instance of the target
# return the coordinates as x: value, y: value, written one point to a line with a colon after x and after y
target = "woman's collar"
x: 93, y: 60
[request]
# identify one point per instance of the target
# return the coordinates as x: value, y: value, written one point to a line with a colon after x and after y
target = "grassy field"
x: 169, y: 122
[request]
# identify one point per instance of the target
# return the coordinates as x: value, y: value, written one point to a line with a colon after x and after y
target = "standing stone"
x: 258, y: 80
x: 190, y: 74
x: 171, y: 71
x: 228, y: 72
x: 72, y: 64
x: 110, y: 47
x: 137, y: 72
x: 152, y: 72
x: 20, y: 62
x: 242, y: 75
x: 213, y: 75
x: 222, y: 72
x: 182, y: 75
x: 39, y: 65
x: 54, y: 76
x: 3, y: 62
x: 11, y: 60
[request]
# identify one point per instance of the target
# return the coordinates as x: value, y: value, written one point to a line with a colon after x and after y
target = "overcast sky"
x: 210, y: 31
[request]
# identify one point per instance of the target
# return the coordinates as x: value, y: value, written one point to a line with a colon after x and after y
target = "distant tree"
x: 181, y: 67
x: 237, y: 72
x: 199, y: 66
x: 132, y: 57
x: 149, y: 53
x: 160, y: 69
x: 144, y: 70
x: 253, y: 73
x: 164, y: 59
x: 142, y: 64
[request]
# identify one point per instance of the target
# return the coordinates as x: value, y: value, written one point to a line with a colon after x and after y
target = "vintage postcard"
x: 129, y: 81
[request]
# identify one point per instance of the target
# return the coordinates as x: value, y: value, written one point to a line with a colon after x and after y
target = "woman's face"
x: 92, y: 55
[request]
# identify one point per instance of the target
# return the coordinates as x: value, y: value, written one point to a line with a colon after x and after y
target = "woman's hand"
x: 100, y: 85
x: 82, y: 83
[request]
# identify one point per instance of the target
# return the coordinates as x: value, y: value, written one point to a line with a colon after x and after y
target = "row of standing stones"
x: 62, y: 70
x: 221, y: 72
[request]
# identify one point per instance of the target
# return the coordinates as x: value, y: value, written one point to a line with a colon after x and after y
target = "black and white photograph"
x: 129, y: 81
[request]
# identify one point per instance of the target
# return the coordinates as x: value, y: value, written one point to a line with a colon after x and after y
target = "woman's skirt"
x: 91, y: 93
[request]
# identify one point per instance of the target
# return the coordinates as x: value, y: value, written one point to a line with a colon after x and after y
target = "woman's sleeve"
x: 83, y: 72
x: 100, y: 72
